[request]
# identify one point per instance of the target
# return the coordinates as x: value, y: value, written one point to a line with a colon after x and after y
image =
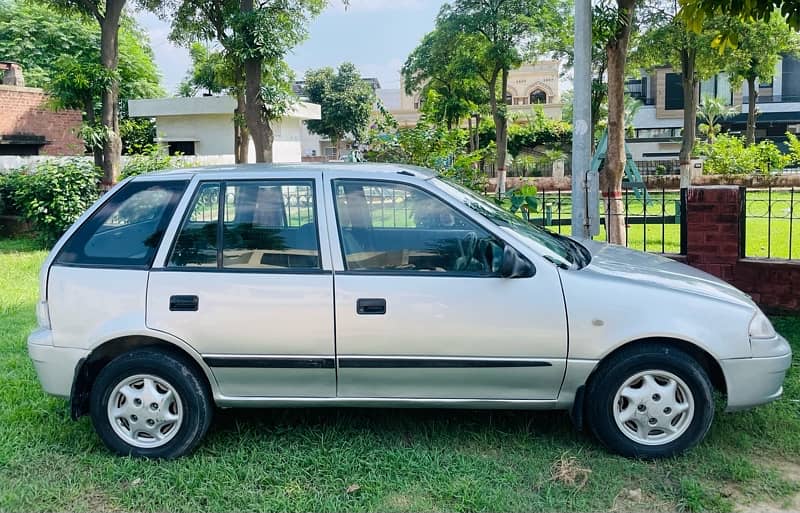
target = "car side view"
x: 378, y: 285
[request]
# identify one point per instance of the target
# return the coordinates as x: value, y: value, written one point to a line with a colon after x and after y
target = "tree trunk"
x: 691, y: 90
x: 97, y: 151
x: 471, y: 138
x: 500, y: 128
x: 109, y: 59
x: 752, y: 95
x: 258, y: 126
x: 616, y: 51
x: 240, y: 130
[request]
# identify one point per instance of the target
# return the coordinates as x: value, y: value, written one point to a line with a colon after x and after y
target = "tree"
x: 263, y: 34
x: 666, y: 39
x: 254, y: 37
x: 195, y: 21
x: 508, y: 32
x: 442, y: 70
x: 711, y: 111
x: 61, y: 54
x: 616, y: 41
x: 759, y: 46
x: 695, y: 13
x: 211, y: 72
x: 108, y: 14
x: 346, y: 102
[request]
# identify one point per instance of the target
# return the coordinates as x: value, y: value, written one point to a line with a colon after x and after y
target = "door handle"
x: 371, y: 306
x: 183, y: 303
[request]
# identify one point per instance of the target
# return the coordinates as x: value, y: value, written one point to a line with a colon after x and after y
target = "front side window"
x: 127, y: 230
x: 257, y: 225
x: 386, y: 226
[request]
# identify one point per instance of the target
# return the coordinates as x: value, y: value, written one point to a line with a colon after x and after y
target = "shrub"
x: 153, y: 158
x: 54, y: 195
x: 728, y: 155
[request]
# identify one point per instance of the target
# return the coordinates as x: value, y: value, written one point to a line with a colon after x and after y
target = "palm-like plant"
x: 711, y: 111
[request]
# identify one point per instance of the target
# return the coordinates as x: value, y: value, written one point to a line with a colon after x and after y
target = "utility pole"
x: 585, y: 183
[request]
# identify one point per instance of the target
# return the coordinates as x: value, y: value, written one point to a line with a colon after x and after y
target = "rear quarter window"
x: 127, y: 229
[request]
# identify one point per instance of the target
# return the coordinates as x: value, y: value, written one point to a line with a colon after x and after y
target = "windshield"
x: 569, y: 250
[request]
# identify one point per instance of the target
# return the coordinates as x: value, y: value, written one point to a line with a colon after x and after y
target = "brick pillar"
x: 713, y: 217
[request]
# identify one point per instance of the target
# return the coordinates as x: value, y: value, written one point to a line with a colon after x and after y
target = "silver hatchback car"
x: 378, y: 285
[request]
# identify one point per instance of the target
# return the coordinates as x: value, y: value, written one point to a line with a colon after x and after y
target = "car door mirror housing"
x: 515, y: 265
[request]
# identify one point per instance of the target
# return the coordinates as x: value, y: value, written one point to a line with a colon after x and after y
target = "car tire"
x: 650, y: 401
x: 150, y: 404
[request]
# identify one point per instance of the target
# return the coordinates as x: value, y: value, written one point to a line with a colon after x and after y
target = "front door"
x: 245, y: 285
x: 421, y: 311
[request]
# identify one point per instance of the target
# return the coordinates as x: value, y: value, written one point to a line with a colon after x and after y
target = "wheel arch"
x: 88, y: 368
x: 705, y: 359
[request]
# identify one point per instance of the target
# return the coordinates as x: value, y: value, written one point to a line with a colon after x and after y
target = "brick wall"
x: 714, y: 216
x: 25, y: 111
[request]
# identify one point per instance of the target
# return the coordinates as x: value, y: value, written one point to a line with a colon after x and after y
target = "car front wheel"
x: 651, y: 401
x: 150, y: 404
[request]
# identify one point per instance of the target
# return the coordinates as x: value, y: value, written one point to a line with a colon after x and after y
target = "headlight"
x: 760, y: 327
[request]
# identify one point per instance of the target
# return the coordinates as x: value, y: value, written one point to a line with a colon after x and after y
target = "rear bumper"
x: 55, y: 366
x: 755, y: 381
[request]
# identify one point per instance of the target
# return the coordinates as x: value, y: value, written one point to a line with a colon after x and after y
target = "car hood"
x: 658, y: 271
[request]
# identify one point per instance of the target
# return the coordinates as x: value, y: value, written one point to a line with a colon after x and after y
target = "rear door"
x: 248, y: 284
x: 421, y: 311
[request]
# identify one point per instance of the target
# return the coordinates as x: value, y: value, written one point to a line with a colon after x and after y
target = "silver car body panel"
x: 537, y: 342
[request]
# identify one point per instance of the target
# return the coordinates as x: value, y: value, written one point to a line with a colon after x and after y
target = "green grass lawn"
x: 389, y: 460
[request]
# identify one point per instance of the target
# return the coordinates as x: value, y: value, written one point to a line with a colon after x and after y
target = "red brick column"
x: 713, y: 217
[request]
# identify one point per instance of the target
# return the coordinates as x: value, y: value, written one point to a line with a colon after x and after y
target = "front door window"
x: 394, y: 227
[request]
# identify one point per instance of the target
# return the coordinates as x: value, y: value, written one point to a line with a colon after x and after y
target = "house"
x: 203, y: 126
x: 29, y: 125
x: 531, y: 84
x: 658, y: 123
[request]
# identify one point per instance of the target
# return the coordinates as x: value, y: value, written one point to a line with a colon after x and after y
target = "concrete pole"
x: 585, y: 184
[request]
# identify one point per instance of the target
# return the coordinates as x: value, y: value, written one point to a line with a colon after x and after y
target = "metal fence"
x: 653, y: 221
x: 772, y: 223
x: 521, y: 169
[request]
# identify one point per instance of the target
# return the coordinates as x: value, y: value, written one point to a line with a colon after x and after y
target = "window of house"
x: 127, y: 230
x: 509, y: 99
x: 266, y: 225
x: 538, y: 97
x: 395, y: 227
x: 673, y: 91
x: 181, y: 147
x: 790, y: 78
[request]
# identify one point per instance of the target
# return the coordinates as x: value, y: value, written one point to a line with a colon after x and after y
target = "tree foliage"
x: 62, y: 55
x: 696, y: 12
x: 346, y: 102
x: 506, y: 33
x: 759, y: 46
x: 443, y: 71
x: 211, y: 72
x: 710, y: 112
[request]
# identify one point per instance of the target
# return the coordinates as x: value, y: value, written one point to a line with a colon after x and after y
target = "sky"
x: 375, y: 35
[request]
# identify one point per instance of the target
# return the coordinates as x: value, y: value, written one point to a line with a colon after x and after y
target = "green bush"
x: 728, y: 155
x: 152, y: 158
x: 54, y: 195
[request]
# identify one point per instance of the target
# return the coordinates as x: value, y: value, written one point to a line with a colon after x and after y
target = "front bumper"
x: 754, y: 381
x: 55, y: 366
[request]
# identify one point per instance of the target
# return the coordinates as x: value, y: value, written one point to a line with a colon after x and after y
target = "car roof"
x: 333, y: 169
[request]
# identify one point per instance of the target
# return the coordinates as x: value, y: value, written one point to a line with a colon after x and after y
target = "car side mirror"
x: 515, y: 265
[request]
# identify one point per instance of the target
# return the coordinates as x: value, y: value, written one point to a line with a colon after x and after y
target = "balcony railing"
x: 775, y: 98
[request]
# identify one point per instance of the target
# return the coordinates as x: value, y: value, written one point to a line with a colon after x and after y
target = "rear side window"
x: 127, y: 230
x: 250, y: 225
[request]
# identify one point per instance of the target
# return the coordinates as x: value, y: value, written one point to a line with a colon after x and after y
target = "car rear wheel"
x: 651, y: 401
x: 150, y: 404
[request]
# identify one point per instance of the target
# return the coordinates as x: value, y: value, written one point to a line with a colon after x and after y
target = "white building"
x: 203, y: 126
